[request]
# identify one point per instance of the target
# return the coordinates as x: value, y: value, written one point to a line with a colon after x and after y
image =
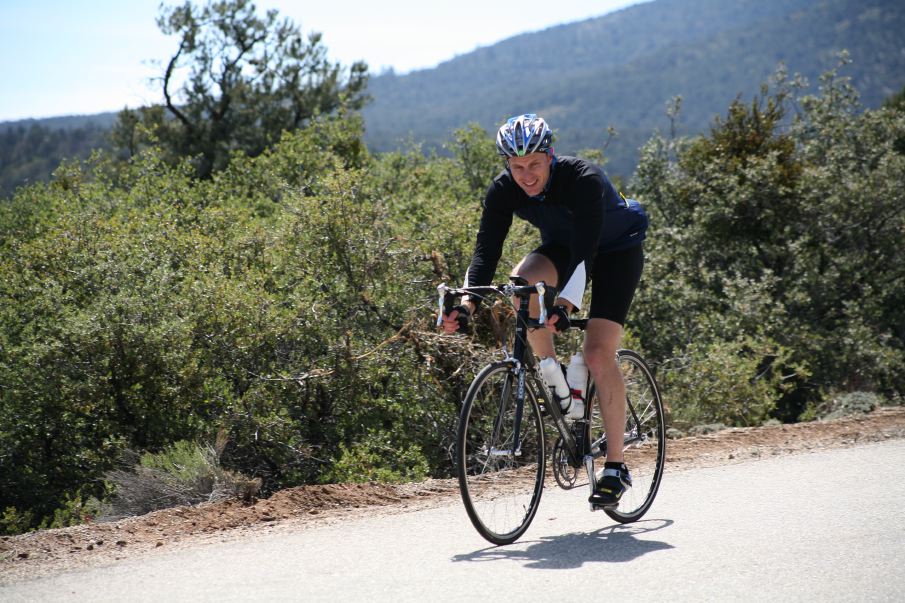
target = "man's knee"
x: 599, y: 354
x: 602, y: 340
x: 536, y: 267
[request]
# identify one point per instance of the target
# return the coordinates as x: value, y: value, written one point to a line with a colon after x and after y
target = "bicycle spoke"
x: 644, y: 437
x: 500, y: 486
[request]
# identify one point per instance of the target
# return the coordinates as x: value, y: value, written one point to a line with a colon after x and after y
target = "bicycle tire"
x: 501, y: 491
x: 645, y: 450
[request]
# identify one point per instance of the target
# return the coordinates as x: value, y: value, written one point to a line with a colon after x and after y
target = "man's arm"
x: 587, y: 219
x: 496, y: 219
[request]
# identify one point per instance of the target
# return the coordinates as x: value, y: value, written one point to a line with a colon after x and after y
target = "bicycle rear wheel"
x: 501, y: 487
x: 645, y: 436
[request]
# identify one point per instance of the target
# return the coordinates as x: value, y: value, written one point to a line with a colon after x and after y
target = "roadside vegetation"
x: 268, y: 322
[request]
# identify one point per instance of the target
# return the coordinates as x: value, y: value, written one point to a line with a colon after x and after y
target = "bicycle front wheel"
x: 644, y: 444
x: 500, y: 486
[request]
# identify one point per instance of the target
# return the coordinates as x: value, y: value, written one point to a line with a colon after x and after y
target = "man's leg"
x: 536, y: 267
x: 602, y: 338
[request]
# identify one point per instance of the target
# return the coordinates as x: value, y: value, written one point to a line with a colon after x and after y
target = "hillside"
x: 63, y: 122
x: 30, y: 150
x: 622, y: 69
x: 618, y: 70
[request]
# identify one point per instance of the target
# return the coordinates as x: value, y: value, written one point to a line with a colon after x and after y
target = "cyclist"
x: 587, y: 229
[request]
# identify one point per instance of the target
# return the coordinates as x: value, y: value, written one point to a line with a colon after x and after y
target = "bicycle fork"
x: 521, y: 338
x: 592, y: 476
x: 516, y: 448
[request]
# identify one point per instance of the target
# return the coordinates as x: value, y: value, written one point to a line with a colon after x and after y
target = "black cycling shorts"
x: 614, y: 279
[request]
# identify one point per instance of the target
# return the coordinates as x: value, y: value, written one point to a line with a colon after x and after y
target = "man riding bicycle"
x: 586, y: 229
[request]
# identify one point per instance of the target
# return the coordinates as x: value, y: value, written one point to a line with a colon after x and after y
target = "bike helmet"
x: 524, y: 134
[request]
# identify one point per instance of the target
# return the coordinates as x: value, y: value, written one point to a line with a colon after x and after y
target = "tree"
x: 779, y: 239
x: 896, y: 101
x: 236, y: 83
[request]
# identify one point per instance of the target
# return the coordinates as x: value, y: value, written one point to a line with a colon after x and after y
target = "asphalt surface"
x: 827, y: 526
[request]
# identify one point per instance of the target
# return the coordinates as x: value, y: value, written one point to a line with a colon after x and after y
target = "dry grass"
x: 183, y: 474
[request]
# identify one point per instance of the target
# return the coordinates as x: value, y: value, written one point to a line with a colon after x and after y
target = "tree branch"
x: 171, y: 66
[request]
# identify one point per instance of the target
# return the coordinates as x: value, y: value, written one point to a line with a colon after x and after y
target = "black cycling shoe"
x: 611, y: 485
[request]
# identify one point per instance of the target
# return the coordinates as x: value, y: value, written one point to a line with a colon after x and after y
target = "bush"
x: 845, y: 404
x: 379, y: 461
x: 733, y: 382
x: 783, y: 232
x: 182, y: 474
x: 14, y: 521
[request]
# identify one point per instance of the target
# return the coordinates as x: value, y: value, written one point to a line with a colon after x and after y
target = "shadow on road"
x: 612, y: 544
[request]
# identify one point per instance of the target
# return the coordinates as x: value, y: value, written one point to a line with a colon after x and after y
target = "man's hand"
x: 558, y: 319
x: 458, y: 318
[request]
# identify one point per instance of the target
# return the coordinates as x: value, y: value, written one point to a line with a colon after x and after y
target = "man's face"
x: 531, y: 172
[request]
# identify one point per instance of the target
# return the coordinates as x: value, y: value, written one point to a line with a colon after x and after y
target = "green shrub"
x: 733, y: 382
x: 76, y: 509
x: 782, y: 229
x: 843, y: 404
x: 14, y: 521
x: 379, y: 460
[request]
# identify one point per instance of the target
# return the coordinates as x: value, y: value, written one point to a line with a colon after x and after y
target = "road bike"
x: 501, y: 448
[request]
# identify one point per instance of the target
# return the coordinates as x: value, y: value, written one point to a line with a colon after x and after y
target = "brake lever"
x: 541, y: 289
x: 442, y: 288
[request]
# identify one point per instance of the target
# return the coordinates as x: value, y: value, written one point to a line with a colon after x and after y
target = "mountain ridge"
x: 621, y: 69
x: 707, y: 51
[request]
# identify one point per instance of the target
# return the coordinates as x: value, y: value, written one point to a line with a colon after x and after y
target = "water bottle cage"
x: 565, y: 409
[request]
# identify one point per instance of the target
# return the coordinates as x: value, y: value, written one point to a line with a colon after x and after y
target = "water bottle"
x: 555, y: 379
x: 577, y: 376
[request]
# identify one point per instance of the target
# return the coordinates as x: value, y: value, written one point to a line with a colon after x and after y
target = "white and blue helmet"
x: 523, y: 134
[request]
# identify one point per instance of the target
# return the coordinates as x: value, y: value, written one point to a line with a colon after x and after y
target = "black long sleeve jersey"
x: 580, y: 210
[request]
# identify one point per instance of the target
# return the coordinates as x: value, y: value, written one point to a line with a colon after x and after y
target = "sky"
x: 68, y: 57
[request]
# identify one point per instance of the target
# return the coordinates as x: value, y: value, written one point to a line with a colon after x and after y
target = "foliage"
x: 896, y: 101
x: 844, y: 404
x: 14, y: 521
x: 249, y: 79
x: 141, y: 307
x: 76, y: 509
x: 781, y: 230
x: 733, y: 382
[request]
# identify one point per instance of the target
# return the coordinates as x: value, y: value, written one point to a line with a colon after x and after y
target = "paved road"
x: 824, y: 526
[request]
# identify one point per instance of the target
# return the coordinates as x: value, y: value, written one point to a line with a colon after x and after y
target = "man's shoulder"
x: 502, y: 180
x: 577, y: 178
x: 578, y: 167
x: 502, y: 189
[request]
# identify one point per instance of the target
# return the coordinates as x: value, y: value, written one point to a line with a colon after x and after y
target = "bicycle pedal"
x: 603, y: 507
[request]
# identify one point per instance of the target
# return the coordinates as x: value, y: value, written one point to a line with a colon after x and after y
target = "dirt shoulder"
x: 50, y: 551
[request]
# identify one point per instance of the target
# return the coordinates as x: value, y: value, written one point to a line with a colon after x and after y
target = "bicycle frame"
x: 522, y: 359
x: 511, y: 415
